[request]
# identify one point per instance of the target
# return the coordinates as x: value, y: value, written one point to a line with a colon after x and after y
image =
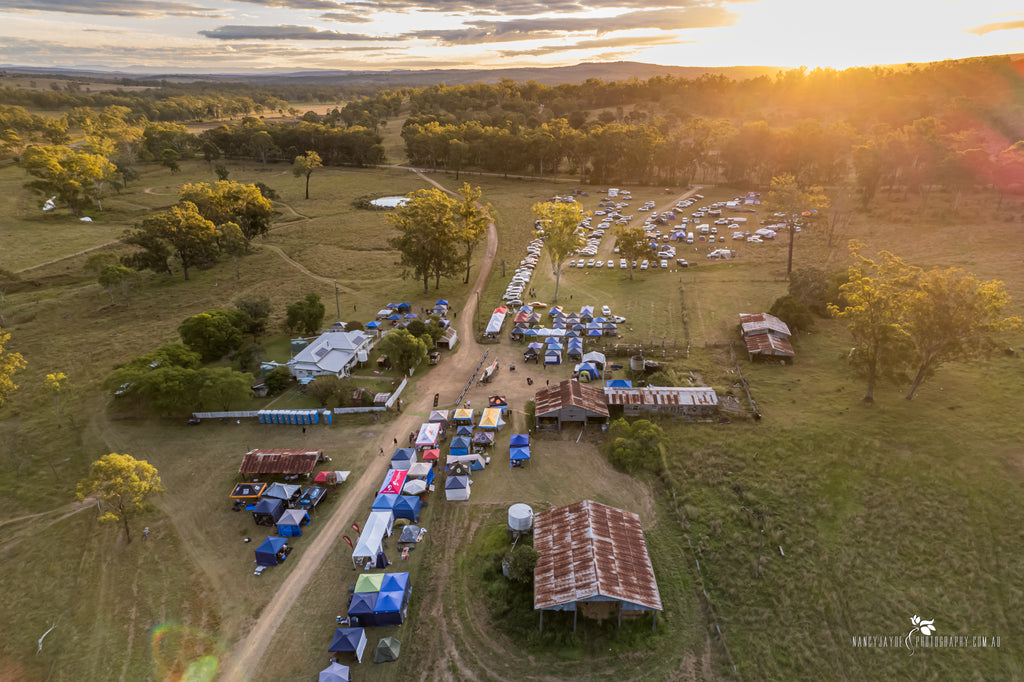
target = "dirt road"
x: 457, y: 367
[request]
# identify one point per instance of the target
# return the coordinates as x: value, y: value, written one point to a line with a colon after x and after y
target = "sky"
x: 236, y: 36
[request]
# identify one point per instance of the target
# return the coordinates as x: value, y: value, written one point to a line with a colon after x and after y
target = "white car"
x: 622, y: 263
x: 590, y: 263
x: 644, y: 265
x: 606, y: 311
x: 599, y: 264
x: 664, y: 263
x: 571, y: 263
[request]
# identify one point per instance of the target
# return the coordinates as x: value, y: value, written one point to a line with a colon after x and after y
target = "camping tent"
x: 270, y: 552
x: 335, y: 672
x: 283, y: 491
x: 518, y: 454
x: 407, y: 507
x: 387, y: 650
x: 460, y: 445
x: 428, y: 436
x: 361, y: 609
x: 483, y: 438
x: 268, y: 511
x: 378, y: 524
x: 519, y: 439
x: 587, y: 372
x: 456, y: 488
x: 402, y: 458
x: 349, y: 640
x: 291, y: 522
x: 491, y: 419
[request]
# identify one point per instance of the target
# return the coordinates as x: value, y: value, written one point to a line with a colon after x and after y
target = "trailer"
x: 489, y: 372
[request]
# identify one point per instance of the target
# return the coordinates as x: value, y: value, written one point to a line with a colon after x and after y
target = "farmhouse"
x: 570, y: 402
x: 698, y: 401
x: 593, y: 558
x: 333, y: 352
x: 766, y: 336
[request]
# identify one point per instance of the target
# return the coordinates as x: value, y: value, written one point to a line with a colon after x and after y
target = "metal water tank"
x: 520, y: 518
x: 636, y: 363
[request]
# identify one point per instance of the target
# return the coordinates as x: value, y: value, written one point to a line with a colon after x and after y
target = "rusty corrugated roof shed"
x: 759, y: 323
x: 286, y: 461
x: 769, y: 344
x: 570, y: 393
x: 662, y: 395
x: 590, y: 550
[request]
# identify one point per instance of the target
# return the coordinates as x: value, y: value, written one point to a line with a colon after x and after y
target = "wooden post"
x: 575, y: 612
x: 542, y: 620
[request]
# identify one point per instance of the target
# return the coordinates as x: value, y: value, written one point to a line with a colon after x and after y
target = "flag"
x: 355, y: 527
x: 349, y: 542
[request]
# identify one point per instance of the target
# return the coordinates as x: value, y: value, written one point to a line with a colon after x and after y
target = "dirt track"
x: 247, y: 654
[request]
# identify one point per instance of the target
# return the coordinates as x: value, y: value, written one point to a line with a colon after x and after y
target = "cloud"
x: 346, y: 17
x: 286, y: 32
x: 478, y: 32
x: 146, y: 9
x: 997, y: 26
x: 632, y: 42
x: 295, y: 4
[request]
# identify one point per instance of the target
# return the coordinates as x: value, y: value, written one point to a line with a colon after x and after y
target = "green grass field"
x: 882, y: 512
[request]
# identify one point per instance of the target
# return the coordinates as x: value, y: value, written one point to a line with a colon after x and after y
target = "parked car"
x: 663, y: 263
x: 681, y: 262
x: 606, y: 311
x: 590, y: 263
x: 644, y: 265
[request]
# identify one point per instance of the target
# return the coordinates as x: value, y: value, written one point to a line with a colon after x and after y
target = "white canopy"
x: 378, y: 524
x: 468, y: 459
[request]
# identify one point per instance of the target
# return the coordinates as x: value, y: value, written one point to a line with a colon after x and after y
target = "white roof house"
x: 333, y: 352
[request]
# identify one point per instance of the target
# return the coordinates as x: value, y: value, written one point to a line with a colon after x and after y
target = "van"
x: 613, y: 192
x: 689, y: 237
x: 704, y: 228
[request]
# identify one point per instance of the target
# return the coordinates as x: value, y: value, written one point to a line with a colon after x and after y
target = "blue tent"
x: 394, y: 317
x: 460, y: 445
x: 395, y: 582
x: 384, y: 502
x: 407, y: 507
x: 404, y: 306
x: 594, y: 332
x: 403, y: 457
x: 291, y: 522
x: 552, y: 358
x: 464, y: 430
x: 518, y: 455
x: 391, y: 306
x: 531, y: 332
x: 268, y: 511
x: 266, y: 553
x: 372, y: 325
x: 361, y: 609
x: 619, y: 383
x: 520, y: 439
x: 410, y: 316
x: 589, y: 370
x: 441, y: 301
x: 390, y: 608
x: 349, y: 640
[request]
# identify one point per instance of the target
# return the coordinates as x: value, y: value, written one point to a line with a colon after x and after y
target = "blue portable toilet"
x: 328, y: 417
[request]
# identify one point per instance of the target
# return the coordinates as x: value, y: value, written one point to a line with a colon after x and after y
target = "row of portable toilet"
x: 294, y: 416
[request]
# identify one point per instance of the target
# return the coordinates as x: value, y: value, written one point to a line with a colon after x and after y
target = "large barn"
x: 593, y: 558
x: 570, y: 402
x: 283, y: 461
x: 693, y: 401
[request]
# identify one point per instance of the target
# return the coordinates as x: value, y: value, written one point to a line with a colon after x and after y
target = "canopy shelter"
x: 407, y: 507
x: 268, y: 511
x: 458, y: 467
x: 283, y: 491
x: 372, y: 325
x: 473, y: 461
x: 402, y: 307
x: 464, y: 430
x: 387, y: 650
x: 349, y: 640
x: 369, y: 582
x: 311, y: 497
x: 439, y: 417
x: 361, y: 608
x: 331, y: 477
x: 499, y: 401
x: 618, y: 383
x: 370, y: 543
x: 518, y: 456
x: 484, y: 438
x: 421, y: 470
x: 391, y: 608
x: 460, y: 445
x: 464, y: 416
x: 491, y: 419
x: 393, y: 481
x: 456, y: 488
x: 396, y: 582
x: 519, y: 440
x: 384, y: 502
x: 587, y: 372
x: 429, y: 435
x: 495, y: 323
x: 553, y: 357
x: 586, y: 313
x: 291, y: 522
x: 596, y: 358
x: 271, y: 551
x: 249, y: 492
x: 403, y: 458
x: 335, y: 672
x: 431, y: 455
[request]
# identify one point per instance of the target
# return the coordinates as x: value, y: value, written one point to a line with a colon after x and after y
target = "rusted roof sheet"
x: 570, y: 393
x: 769, y: 344
x: 590, y: 550
x: 759, y: 323
x: 280, y: 461
x: 672, y: 395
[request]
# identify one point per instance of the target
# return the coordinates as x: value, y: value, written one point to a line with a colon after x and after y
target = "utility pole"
x: 337, y: 304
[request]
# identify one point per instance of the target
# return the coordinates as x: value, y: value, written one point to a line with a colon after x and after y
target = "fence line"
x: 359, y: 410
x: 225, y: 415
x: 398, y: 391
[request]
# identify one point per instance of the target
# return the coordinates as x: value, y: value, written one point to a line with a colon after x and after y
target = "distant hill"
x: 611, y: 71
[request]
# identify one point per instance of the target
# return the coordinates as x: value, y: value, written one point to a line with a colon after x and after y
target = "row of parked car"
x: 521, y: 277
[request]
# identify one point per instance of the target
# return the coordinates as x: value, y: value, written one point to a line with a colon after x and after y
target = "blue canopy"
x: 594, y: 332
x: 464, y: 430
x: 518, y: 455
x: 520, y: 439
x: 403, y: 455
x: 441, y: 301
x: 347, y: 640
x: 404, y: 306
x: 460, y: 443
x: 384, y: 502
x: 619, y: 383
x: 579, y: 326
x: 572, y: 333
x: 268, y: 511
x: 589, y: 369
x: 389, y: 610
x: 394, y: 316
x: 362, y: 607
x: 395, y: 582
x: 554, y: 346
x: 531, y: 332
x: 372, y: 325
x: 266, y: 553
x: 411, y: 316
x: 407, y: 507
x: 391, y: 306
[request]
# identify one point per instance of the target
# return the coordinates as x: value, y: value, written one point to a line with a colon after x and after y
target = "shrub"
x: 277, y: 380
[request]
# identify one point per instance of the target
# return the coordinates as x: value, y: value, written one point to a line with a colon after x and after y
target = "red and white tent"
x: 428, y: 436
